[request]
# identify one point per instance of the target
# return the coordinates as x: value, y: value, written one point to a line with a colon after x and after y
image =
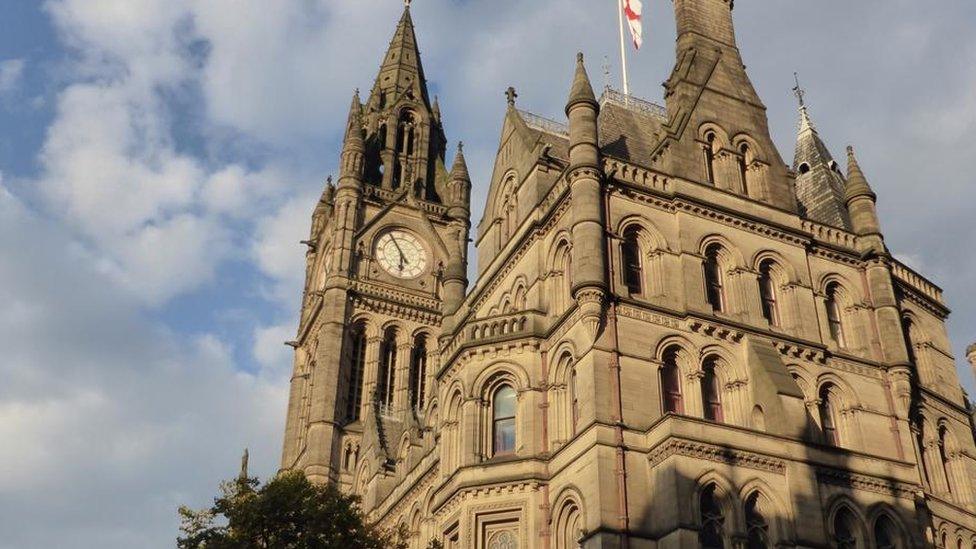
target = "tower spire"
x: 401, y: 71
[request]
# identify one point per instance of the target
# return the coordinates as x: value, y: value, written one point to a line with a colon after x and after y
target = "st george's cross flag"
x: 632, y: 10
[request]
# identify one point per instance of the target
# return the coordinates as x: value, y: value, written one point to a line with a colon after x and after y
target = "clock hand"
x: 403, y: 257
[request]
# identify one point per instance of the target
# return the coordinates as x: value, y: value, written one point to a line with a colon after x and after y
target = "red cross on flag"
x: 632, y: 10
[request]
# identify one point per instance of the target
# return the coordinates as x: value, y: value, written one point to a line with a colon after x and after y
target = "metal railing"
x: 544, y: 124
x: 631, y: 102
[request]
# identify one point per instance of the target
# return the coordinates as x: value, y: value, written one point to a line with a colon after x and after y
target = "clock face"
x: 401, y: 254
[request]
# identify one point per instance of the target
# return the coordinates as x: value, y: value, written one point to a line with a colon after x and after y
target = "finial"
x: 606, y: 72
x: 460, y: 146
x: 511, y: 95
x: 244, y: 460
x: 799, y: 91
x: 579, y: 57
x: 328, y: 181
x: 406, y: 3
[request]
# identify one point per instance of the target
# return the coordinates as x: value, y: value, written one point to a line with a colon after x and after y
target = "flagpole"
x: 623, y: 47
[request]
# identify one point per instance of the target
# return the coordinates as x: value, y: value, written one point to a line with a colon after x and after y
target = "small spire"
x: 857, y: 184
x: 436, y: 109
x: 511, y: 96
x: 460, y: 169
x: 582, y: 90
x: 244, y: 460
x: 354, y: 126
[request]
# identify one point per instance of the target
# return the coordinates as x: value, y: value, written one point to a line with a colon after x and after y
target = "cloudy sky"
x: 159, y: 160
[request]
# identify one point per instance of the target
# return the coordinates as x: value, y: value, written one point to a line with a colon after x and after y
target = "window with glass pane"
x: 828, y: 417
x: 767, y: 293
x: 387, y: 377
x: 884, y: 533
x: 711, y: 535
x: 714, y: 282
x: 418, y: 372
x: 633, y: 269
x: 357, y: 364
x: 503, y: 421
x: 845, y: 535
x: 757, y: 529
x: 711, y: 392
x: 671, y: 384
x: 834, y: 318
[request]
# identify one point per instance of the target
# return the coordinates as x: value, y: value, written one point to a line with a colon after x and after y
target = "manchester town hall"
x: 675, y: 339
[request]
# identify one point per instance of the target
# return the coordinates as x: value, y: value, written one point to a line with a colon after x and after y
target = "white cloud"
x: 11, y: 73
x: 110, y: 420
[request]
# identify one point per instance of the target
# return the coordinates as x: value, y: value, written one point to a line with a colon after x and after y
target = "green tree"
x: 288, y: 512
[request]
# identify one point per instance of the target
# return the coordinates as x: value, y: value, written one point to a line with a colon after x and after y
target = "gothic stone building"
x: 675, y: 339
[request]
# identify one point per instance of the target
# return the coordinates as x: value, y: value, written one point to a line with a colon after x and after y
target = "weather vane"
x: 800, y: 93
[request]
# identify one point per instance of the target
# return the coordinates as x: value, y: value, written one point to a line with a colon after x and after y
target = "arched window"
x: 561, y: 285
x: 418, y: 372
x: 569, y: 527
x: 828, y: 415
x: 633, y: 266
x: 845, y: 530
x: 712, y: 534
x: 709, y: 150
x: 885, y: 534
x: 503, y: 404
x: 406, y: 137
x: 834, y: 315
x: 714, y: 281
x: 757, y: 528
x: 768, y: 294
x: 944, y: 456
x: 386, y: 384
x: 711, y: 392
x: 671, y: 383
x: 744, y: 166
x: 357, y: 365
x: 574, y: 398
x: 908, y: 330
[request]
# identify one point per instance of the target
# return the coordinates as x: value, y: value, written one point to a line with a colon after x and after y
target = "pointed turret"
x: 352, y: 160
x: 861, y: 203
x: 582, y: 90
x: 588, y: 251
x: 459, y: 187
x: 857, y: 184
x: 819, y: 182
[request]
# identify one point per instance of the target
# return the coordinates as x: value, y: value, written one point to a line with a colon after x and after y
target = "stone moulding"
x: 718, y: 454
x: 866, y: 483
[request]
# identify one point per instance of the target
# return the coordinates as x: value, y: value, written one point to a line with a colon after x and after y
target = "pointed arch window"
x: 357, y: 365
x: 845, y: 530
x: 828, y: 415
x: 714, y: 280
x: 768, y: 294
x: 712, y: 534
x: 834, y: 315
x: 418, y: 372
x: 503, y: 405
x: 574, y: 398
x: 757, y: 528
x: 885, y: 535
x: 671, y: 383
x: 405, y: 144
x: 633, y: 264
x: 388, y: 365
x: 944, y: 456
x: 744, y: 166
x: 709, y: 151
x: 711, y: 392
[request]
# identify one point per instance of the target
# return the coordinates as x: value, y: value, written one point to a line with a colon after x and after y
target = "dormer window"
x: 804, y: 168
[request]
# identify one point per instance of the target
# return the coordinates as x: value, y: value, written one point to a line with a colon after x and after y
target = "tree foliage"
x: 288, y: 512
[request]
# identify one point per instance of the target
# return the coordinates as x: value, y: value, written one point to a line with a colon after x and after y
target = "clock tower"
x: 386, y: 268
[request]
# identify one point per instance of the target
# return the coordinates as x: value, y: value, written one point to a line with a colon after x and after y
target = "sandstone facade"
x: 675, y: 339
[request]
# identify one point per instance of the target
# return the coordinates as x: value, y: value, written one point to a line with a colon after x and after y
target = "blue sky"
x: 159, y: 160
